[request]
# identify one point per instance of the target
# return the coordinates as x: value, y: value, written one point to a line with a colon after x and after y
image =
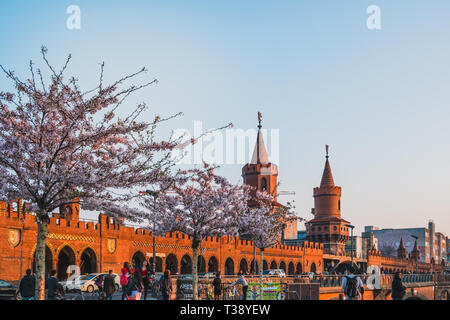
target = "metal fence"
x: 229, y: 291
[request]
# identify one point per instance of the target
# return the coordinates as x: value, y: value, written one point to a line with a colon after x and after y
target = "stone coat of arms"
x: 111, y: 245
x: 14, y: 237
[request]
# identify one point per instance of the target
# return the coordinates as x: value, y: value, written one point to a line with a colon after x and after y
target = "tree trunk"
x: 40, y: 259
x: 261, y: 270
x: 195, y: 246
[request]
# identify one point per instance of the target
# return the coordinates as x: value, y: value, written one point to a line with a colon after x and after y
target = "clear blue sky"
x: 380, y: 99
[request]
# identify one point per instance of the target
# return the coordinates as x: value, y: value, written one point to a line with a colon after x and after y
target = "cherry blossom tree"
x: 264, y: 223
x: 199, y: 204
x: 59, y: 143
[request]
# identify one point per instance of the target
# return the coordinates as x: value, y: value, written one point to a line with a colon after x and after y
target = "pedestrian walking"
x: 125, y: 274
x: 145, y: 277
x: 217, y: 284
x: 109, y: 285
x: 136, y: 285
x: 398, y: 289
x: 27, y: 286
x: 55, y: 290
x: 242, y: 281
x: 352, y: 285
x: 166, y: 285
x: 99, y: 283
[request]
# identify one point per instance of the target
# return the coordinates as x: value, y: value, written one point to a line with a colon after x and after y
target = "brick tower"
x: 262, y: 175
x: 70, y: 212
x: 327, y: 226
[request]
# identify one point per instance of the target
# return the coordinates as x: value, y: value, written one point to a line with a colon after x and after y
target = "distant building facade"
x: 432, y: 245
x: 355, y: 244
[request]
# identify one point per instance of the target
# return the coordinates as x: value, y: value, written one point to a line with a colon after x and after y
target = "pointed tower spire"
x: 327, y: 177
x: 401, y: 251
x: 260, y: 152
x: 415, y: 253
x: 402, y: 245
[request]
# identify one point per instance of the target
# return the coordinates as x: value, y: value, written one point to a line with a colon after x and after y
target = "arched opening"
x: 229, y: 267
x: 201, y: 264
x: 138, y: 259
x: 254, y: 267
x: 265, y: 265
x: 158, y: 264
x: 48, y: 262
x: 88, y: 263
x: 213, y: 264
x: 283, y: 266
x: 243, y: 266
x: 66, y: 258
x: 299, y: 268
x: 263, y: 184
x: 172, y: 263
x: 273, y: 265
x: 186, y: 265
x: 291, y: 268
x: 445, y: 295
x: 313, y: 267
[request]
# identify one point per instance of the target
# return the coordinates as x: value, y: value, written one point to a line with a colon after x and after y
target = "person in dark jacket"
x: 54, y: 288
x: 398, y: 289
x: 136, y: 285
x: 27, y: 286
x: 217, y: 284
x: 109, y: 285
x: 166, y: 285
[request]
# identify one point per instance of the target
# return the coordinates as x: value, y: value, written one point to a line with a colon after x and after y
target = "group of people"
x: 353, y: 286
x: 106, y: 285
x: 217, y: 285
x: 135, y: 282
x: 27, y: 286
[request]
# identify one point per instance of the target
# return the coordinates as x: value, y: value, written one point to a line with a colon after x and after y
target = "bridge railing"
x: 328, y: 281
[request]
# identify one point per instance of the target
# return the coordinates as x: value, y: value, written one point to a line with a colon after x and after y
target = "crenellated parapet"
x: 109, y: 244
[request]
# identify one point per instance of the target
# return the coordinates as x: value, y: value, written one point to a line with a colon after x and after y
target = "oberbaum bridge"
x: 105, y: 245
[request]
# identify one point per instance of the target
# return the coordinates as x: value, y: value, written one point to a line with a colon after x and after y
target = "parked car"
x: 87, y: 282
x: 9, y: 291
x: 71, y: 285
x: 275, y: 273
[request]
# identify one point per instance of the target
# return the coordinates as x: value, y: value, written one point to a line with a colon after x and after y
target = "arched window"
x: 263, y: 184
x: 229, y: 267
x: 172, y: 263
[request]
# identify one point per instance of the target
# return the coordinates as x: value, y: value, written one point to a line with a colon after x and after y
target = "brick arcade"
x: 104, y: 244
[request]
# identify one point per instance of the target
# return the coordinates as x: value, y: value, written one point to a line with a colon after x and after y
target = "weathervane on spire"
x: 327, y: 147
x: 259, y: 119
